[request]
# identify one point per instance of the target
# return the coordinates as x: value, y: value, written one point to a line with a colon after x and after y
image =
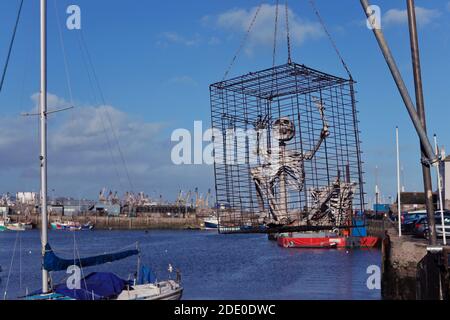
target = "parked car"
x: 409, y: 222
x: 421, y: 229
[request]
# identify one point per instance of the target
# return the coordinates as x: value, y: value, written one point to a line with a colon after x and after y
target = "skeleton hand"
x: 325, y: 132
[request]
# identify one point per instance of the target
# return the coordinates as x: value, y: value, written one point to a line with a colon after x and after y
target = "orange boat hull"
x: 328, y: 242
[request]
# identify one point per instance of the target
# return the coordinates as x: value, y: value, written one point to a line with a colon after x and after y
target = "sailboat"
x: 95, y: 286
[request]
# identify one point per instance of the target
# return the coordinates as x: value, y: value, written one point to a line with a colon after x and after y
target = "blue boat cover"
x: 96, y: 286
x: 54, y: 263
x: 146, y: 276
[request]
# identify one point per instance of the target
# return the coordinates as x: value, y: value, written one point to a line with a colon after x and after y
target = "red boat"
x: 325, y: 241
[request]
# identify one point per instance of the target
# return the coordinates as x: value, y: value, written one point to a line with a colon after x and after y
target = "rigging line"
x: 63, y: 48
x: 333, y: 43
x: 92, y: 87
x: 107, y: 112
x: 244, y: 40
x: 288, y: 33
x: 11, y: 267
x: 11, y: 44
x: 77, y: 252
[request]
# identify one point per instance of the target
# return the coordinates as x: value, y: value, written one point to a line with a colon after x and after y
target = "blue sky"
x: 155, y: 61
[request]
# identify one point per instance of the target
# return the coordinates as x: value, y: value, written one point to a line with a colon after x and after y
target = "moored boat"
x: 7, y: 225
x: 71, y: 226
x: 325, y: 240
x: 16, y: 227
x: 211, y: 223
x: 165, y: 290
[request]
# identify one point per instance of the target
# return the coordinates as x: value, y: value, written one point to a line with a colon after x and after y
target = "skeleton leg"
x: 259, y: 193
x: 273, y: 203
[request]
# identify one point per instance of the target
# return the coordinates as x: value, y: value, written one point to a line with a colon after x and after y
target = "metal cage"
x: 281, y: 137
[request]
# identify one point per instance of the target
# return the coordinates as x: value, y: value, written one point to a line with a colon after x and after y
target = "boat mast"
x: 43, y: 127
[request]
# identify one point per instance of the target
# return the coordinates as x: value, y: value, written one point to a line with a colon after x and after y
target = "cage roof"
x: 280, y: 81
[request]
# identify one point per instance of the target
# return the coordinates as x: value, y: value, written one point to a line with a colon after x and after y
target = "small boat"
x: 324, y: 240
x: 71, y: 226
x: 16, y: 226
x: 165, y: 290
x: 7, y: 225
x: 247, y: 228
x: 106, y: 285
x: 229, y: 229
x: 211, y: 223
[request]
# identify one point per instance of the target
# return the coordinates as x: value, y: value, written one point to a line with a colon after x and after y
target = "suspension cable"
x: 11, y: 44
x: 333, y: 43
x: 243, y: 42
x: 274, y: 55
x: 288, y: 33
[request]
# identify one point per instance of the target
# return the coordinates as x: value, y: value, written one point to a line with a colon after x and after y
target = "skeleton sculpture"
x: 331, y: 204
x: 281, y: 168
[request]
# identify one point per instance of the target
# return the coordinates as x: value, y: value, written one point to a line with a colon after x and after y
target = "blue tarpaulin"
x: 146, y: 276
x: 359, y: 229
x: 54, y: 263
x: 96, y: 286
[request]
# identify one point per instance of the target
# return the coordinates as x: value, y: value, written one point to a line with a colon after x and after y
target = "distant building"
x: 108, y: 209
x: 27, y: 198
x: 413, y: 201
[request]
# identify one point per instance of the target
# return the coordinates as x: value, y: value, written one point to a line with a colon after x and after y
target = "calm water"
x: 213, y: 266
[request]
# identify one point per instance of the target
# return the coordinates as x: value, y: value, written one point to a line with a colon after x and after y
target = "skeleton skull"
x: 284, y: 129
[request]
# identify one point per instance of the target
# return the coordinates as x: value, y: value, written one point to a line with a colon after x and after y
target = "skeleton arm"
x: 323, y: 135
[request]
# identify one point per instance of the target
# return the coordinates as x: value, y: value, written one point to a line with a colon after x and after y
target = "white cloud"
x: 238, y: 20
x: 397, y: 16
x: 176, y: 38
x: 183, y: 80
x: 80, y: 158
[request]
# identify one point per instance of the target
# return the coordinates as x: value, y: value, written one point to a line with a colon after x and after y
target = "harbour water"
x: 212, y: 266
